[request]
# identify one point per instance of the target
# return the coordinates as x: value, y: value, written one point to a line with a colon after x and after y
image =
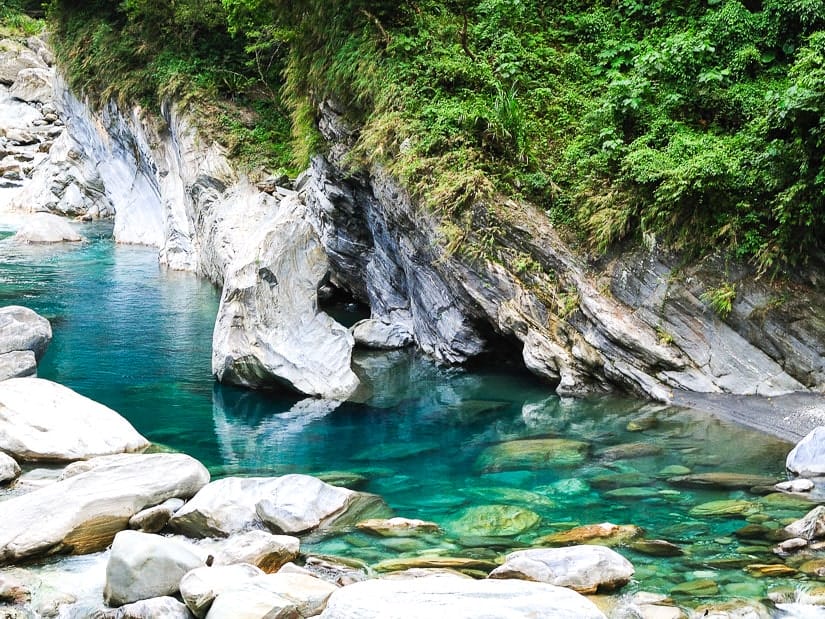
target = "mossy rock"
x: 493, y: 520
x: 725, y: 507
x: 532, y: 454
x: 702, y: 587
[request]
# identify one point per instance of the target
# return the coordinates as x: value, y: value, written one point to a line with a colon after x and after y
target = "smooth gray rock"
x: 17, y: 364
x: 807, y: 458
x: 33, y: 86
x: 22, y: 329
x: 582, y: 568
x: 202, y: 585
x: 372, y: 333
x: 269, y: 330
x: 143, y: 566
x: 41, y: 420
x: 457, y: 598
x: 289, y: 504
x: 154, y: 608
x: 92, y: 502
x: 46, y: 228
x: 9, y: 469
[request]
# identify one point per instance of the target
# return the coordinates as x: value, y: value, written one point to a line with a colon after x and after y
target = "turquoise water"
x: 137, y: 338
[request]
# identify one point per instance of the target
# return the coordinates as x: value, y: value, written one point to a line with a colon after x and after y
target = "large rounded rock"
x: 201, y: 586
x: 269, y: 330
x: 582, y: 568
x: 46, y: 228
x: 22, y: 329
x: 9, y: 469
x: 17, y: 364
x: 143, y: 566
x: 41, y: 420
x: 93, y: 501
x: 287, y: 504
x: 807, y: 458
x: 457, y: 598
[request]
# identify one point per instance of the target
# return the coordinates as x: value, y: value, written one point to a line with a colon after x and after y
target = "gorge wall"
x: 634, y: 322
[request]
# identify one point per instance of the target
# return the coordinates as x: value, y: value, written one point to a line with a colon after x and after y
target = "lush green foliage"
x: 148, y: 50
x: 696, y: 123
x: 20, y: 18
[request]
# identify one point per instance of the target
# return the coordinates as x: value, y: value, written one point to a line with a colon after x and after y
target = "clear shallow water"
x: 137, y: 338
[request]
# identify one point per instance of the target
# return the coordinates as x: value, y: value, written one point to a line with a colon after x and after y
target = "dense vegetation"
x: 700, y: 123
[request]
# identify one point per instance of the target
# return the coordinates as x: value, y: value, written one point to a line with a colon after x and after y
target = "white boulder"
x: 92, y: 502
x: 23, y: 329
x: 287, y: 504
x: 457, y: 598
x: 201, y: 586
x: 269, y: 330
x: 585, y: 568
x: 143, y: 566
x: 807, y: 458
x: 46, y: 228
x: 42, y: 420
x: 9, y: 469
x: 260, y: 548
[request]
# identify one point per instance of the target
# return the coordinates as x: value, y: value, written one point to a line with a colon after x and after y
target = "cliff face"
x: 635, y: 324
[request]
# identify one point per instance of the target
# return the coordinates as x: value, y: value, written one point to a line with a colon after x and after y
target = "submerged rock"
x: 604, y: 534
x: 627, y: 451
x: 269, y: 330
x: 93, y: 501
x: 288, y: 504
x: 143, y: 566
x: 457, y: 598
x: 807, y: 458
x: 397, y: 527
x: 725, y: 507
x: 585, y: 569
x: 720, y: 479
x: 505, y: 520
x: 41, y: 420
x: 532, y: 454
x: 46, y: 228
x: 657, y: 548
x: 434, y: 563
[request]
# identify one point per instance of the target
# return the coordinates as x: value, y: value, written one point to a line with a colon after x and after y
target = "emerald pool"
x: 440, y: 444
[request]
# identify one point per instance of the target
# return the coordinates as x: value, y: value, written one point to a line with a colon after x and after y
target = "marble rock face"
x: 269, y: 330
